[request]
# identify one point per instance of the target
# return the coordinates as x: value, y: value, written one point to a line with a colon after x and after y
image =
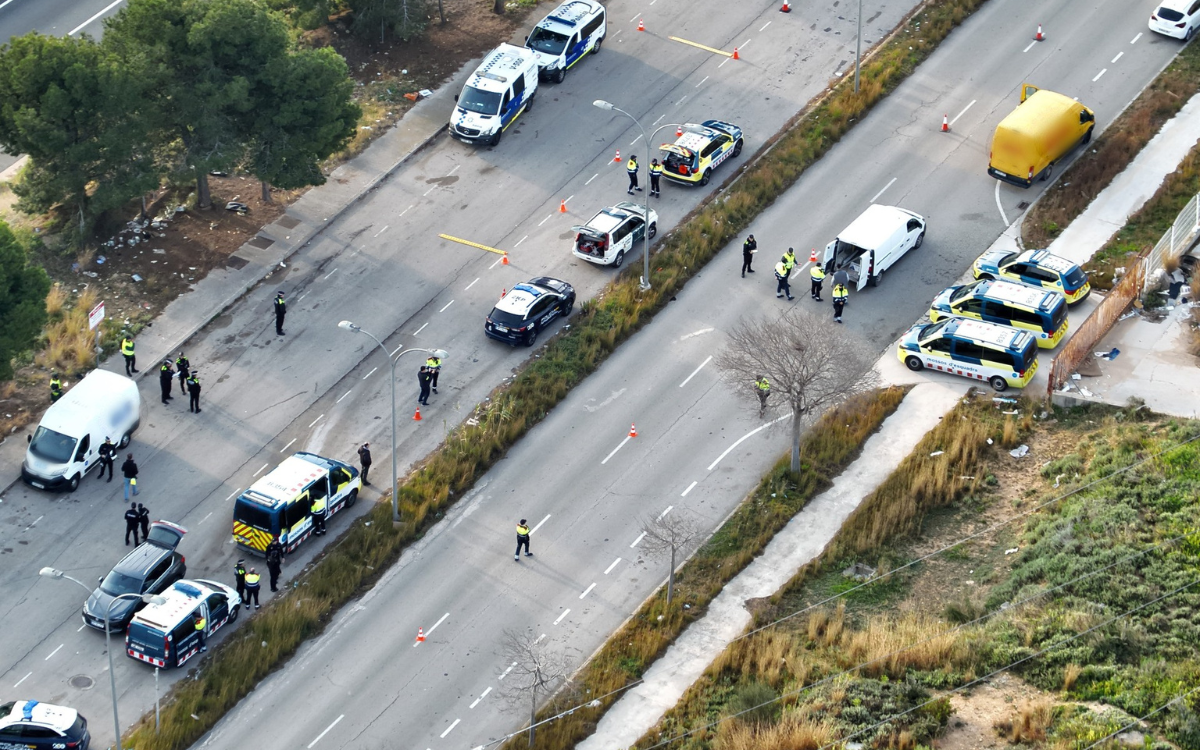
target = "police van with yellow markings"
x: 279, y: 505
x: 500, y: 89
x: 699, y: 150
x: 567, y: 35
x: 1042, y: 313
x: 1037, y: 268
x: 1001, y: 356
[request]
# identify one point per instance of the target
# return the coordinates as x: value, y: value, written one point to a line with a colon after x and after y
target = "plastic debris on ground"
x: 1019, y: 452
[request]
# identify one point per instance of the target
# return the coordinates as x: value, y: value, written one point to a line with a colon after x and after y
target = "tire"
x: 653, y: 229
x: 233, y: 613
x: 125, y: 440
x: 998, y: 384
x: 530, y: 337
x: 920, y: 240
x: 914, y: 363
x: 1187, y: 37
x: 707, y: 176
x: 529, y: 102
x: 873, y: 281
x: 596, y: 46
x: 1087, y: 137
x: 986, y: 277
x: 352, y: 499
x: 568, y: 306
x: 495, y: 141
x: 619, y: 259
x: 737, y: 147
x: 560, y: 75
x: 1045, y: 175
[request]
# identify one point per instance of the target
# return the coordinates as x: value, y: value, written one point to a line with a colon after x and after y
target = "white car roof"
x: 98, y: 386
x: 567, y: 16
x: 1055, y: 263
x: 1179, y: 5
x: 181, y: 599
x: 59, y: 717
x: 287, y: 479
x: 875, y: 225
x: 520, y: 298
x: 501, y: 66
x: 607, y: 220
x: 989, y: 333
x: 1019, y: 294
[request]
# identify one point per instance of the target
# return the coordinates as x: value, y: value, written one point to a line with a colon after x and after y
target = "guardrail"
x: 1175, y: 242
x: 1096, y: 325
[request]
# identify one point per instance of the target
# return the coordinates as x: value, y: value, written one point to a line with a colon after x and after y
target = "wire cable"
x: 1140, y: 719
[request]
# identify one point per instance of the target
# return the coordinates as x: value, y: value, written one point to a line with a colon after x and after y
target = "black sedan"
x: 529, y: 308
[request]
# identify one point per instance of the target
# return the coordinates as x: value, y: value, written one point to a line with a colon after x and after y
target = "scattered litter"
x: 1012, y: 551
x: 100, y: 260
x: 966, y: 478
x: 1014, y: 411
x: 936, y: 453
x: 859, y: 572
x: 1109, y: 355
x: 1128, y: 315
x: 989, y: 441
x: 135, y: 277
x: 1060, y: 476
x: 1076, y: 376
x: 1001, y: 400
x: 1019, y: 451
x: 1085, y: 391
x: 91, y: 274
x: 425, y: 92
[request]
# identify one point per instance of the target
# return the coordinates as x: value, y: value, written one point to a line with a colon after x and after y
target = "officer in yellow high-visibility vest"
x: 55, y: 387
x: 522, y: 540
x: 434, y: 366
x: 781, y: 275
x: 789, y: 259
x: 252, y: 588
x: 818, y: 278
x: 840, y: 295
x: 318, y: 516
x: 763, y: 388
x: 127, y: 353
x: 631, y: 168
x: 656, y: 171
x: 201, y: 630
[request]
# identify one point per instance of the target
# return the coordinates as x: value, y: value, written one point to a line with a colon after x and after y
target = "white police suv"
x: 564, y: 37
x: 30, y: 725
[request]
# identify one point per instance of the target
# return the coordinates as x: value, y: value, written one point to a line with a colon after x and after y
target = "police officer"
x: 144, y: 520
x: 318, y: 516
x: 165, y: 375
x: 55, y: 387
x: 781, y: 274
x: 749, y: 248
x: 193, y: 386
x: 763, y: 388
x: 239, y: 578
x: 818, y: 278
x: 274, y: 554
x: 840, y: 294
x: 128, y: 354
x: 185, y: 368
x: 364, y: 458
x: 108, y: 453
x: 129, y: 470
x: 789, y: 259
x: 424, y: 378
x: 656, y: 171
x: 434, y: 365
x: 631, y: 167
x: 280, y: 312
x: 522, y: 540
x: 132, y: 521
x: 252, y: 588
x: 201, y: 630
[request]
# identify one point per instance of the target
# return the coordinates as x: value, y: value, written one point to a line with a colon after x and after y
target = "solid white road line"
x: 964, y: 111
x: 329, y: 274
x: 521, y: 240
x: 1134, y: 40
x: 587, y: 591
x: 452, y: 726
x: 6, y: 2
x: 451, y: 302
x: 422, y: 328
x: 372, y: 372
x: 26, y: 677
x: 347, y: 393
x: 1003, y: 218
x: 535, y: 528
x: 318, y: 419
x: 481, y: 697
x: 1118, y: 57
x: 698, y: 369
x: 697, y: 333
x: 430, y: 190
x: 610, y: 567
x: 1102, y: 72
x: 510, y: 668
x: 261, y: 469
x: 614, y: 450
x: 689, y: 489
x: 322, y: 734
x: 640, y: 537
x: 452, y: 171
x: 885, y: 187
x: 234, y: 494
x: 1030, y: 46
x: 55, y: 651
x: 560, y: 617
x: 289, y: 445
x: 713, y: 465
x: 665, y: 512
x: 75, y: 30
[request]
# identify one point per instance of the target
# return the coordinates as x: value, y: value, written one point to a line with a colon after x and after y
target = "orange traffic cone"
x: 420, y: 635
x: 786, y: 8
x: 641, y: 25
x: 678, y: 131
x: 946, y: 123
x: 1039, y: 36
x: 504, y: 259
x: 617, y: 158
x: 735, y: 54
x: 503, y: 292
x: 632, y: 430
x: 417, y: 416
x: 812, y: 257
x: 562, y: 207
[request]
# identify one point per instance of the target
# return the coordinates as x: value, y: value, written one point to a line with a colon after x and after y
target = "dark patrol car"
x: 149, y: 569
x: 528, y: 308
x: 26, y: 725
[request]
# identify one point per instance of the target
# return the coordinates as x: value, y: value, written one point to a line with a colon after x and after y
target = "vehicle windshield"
x: 52, y: 446
x: 253, y: 514
x: 1028, y: 356
x: 1168, y: 14
x: 930, y: 330
x: 477, y: 100
x: 511, y: 320
x: 1006, y: 260
x: 545, y: 40
x: 961, y: 292
x: 115, y: 584
x: 1075, y: 278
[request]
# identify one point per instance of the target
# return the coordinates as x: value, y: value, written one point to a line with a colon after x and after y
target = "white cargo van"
x: 500, y: 89
x: 66, y: 444
x: 873, y: 242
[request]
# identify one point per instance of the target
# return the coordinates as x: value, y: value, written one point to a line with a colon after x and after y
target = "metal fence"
x: 1096, y: 325
x: 1175, y: 242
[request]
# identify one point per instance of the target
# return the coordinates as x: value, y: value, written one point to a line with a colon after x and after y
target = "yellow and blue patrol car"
x: 1037, y: 268
x: 1042, y: 313
x: 699, y: 150
x: 1001, y: 356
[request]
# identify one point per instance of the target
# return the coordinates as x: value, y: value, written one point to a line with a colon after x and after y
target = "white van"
x: 873, y: 242
x: 500, y: 89
x: 562, y: 38
x: 164, y: 635
x: 66, y: 444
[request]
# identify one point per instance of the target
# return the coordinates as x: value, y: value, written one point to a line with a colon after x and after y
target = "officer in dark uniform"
x: 522, y: 540
x: 239, y: 578
x: 274, y: 554
x: 364, y: 458
x: 424, y: 378
x: 749, y: 248
x: 185, y: 368
x: 631, y: 168
x: 656, y: 171
x: 132, y: 521
x: 193, y: 385
x: 108, y: 454
x: 280, y: 312
x: 55, y: 387
x: 144, y: 521
x: 165, y: 374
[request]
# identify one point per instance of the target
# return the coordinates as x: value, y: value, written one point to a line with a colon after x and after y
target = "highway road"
x: 459, y: 584
x: 380, y: 264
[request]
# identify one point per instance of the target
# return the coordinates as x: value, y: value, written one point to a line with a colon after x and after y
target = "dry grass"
x: 1028, y: 725
x: 1070, y: 676
x: 69, y: 345
x: 885, y: 643
x: 793, y: 732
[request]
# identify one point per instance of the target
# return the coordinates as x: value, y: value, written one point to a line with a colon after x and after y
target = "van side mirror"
x: 527, y: 37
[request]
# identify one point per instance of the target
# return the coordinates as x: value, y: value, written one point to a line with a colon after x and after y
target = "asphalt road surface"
x: 584, y: 485
x: 54, y: 17
x: 382, y: 266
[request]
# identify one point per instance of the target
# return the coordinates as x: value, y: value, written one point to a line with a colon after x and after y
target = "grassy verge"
x: 901, y: 628
x: 1111, y: 153
x: 352, y: 563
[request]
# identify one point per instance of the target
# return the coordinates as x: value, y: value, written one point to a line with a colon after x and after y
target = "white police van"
x: 164, y: 635
x: 562, y: 38
x: 500, y: 89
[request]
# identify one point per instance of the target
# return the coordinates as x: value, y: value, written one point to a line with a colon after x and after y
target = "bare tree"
x: 498, y: 7
x: 538, y: 668
x: 669, y: 534
x: 810, y: 364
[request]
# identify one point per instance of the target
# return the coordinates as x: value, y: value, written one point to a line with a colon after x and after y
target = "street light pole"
x: 148, y: 598
x: 439, y: 353
x: 609, y: 106
x: 858, y: 47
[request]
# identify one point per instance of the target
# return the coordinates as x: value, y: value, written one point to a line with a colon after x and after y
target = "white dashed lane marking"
x: 369, y: 374
x: 347, y: 393
x: 613, y: 565
x: 289, y: 445
x: 696, y: 371
x: 234, y: 494
x: 322, y: 734
x: 449, y: 728
x: 55, y: 651
x: 481, y: 697
x: 451, y: 302
x: 689, y: 489
x: 510, y: 668
x: 26, y: 677
x: 587, y: 591
x: 640, y: 537
x: 560, y: 617
x: 260, y: 470
x: 318, y: 419
x: 422, y: 328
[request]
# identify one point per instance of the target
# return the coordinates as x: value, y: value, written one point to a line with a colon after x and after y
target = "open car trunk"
x: 843, y: 256
x: 590, y: 242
